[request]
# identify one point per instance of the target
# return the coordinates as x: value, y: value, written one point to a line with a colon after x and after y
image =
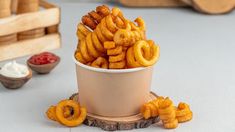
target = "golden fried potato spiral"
x: 150, y: 109
x: 167, y: 113
x: 183, y: 113
x: 93, y: 18
x: 100, y: 62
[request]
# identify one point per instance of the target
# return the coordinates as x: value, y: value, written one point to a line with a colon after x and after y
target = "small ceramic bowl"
x: 14, y: 83
x: 43, y: 69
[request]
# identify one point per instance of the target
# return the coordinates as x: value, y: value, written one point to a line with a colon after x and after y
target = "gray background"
x: 196, y: 66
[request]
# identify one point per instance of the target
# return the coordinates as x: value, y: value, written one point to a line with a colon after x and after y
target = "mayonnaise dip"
x: 14, y: 70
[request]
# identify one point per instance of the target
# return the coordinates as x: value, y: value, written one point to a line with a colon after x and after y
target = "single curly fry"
x: 185, y: 118
x: 115, y: 11
x: 100, y: 62
x: 89, y: 21
x: 146, y: 112
x: 117, y: 58
x: 117, y: 50
x: 153, y: 109
x: 117, y: 65
x: 166, y: 110
x: 122, y: 37
x: 95, y: 16
x: 84, y: 52
x: 80, y: 35
x: 99, y: 34
x: 111, y: 24
x: 91, y: 49
x: 109, y: 45
x: 76, y: 118
x: 51, y: 113
x: 103, y: 10
x: 183, y: 112
x: 166, y: 103
x: 79, y: 57
x: 131, y: 61
x: 143, y: 46
x: 97, y: 43
x: 167, y: 116
x: 119, y: 23
x: 141, y: 23
x: 105, y: 31
x: 182, y: 109
x: 171, y: 125
x: 82, y: 28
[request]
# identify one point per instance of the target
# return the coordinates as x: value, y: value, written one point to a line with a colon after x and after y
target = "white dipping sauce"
x: 15, y: 70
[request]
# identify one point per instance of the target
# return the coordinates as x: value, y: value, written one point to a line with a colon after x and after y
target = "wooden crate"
x: 48, y: 18
x: 152, y: 3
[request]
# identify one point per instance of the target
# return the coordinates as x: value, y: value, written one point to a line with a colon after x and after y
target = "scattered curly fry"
x: 167, y: 113
x: 68, y: 113
x: 150, y: 109
x: 183, y: 113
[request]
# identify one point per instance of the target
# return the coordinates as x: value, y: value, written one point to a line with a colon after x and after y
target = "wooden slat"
x: 27, y: 47
x: 29, y: 21
x: 46, y: 4
x: 152, y: 3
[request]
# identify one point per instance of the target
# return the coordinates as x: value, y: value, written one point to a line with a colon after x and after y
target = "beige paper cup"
x: 113, y: 93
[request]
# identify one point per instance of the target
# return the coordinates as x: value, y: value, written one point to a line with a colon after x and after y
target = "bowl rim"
x: 18, y: 78
x: 44, y: 65
x: 109, y: 70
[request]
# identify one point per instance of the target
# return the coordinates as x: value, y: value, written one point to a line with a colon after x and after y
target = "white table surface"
x: 197, y: 66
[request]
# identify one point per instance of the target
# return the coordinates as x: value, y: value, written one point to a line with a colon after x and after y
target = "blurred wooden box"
x: 152, y: 3
x: 48, y: 17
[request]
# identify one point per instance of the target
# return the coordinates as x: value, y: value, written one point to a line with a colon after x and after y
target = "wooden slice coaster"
x: 214, y: 6
x: 118, y: 123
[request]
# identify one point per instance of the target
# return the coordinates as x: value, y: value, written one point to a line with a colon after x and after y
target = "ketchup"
x: 43, y: 58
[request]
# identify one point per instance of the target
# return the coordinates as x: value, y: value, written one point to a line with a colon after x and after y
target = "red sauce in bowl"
x: 43, y: 58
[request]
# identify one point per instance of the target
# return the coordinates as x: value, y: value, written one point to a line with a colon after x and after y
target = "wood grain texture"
x: 28, y: 47
x: 5, y: 12
x: 118, y: 123
x: 214, y: 6
x: 188, y: 2
x: 14, y: 5
x: 28, y: 21
x: 152, y: 3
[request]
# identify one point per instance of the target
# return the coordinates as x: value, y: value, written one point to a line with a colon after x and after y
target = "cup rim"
x: 108, y: 70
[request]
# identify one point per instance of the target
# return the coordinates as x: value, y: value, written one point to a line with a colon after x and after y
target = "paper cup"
x: 113, y: 93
